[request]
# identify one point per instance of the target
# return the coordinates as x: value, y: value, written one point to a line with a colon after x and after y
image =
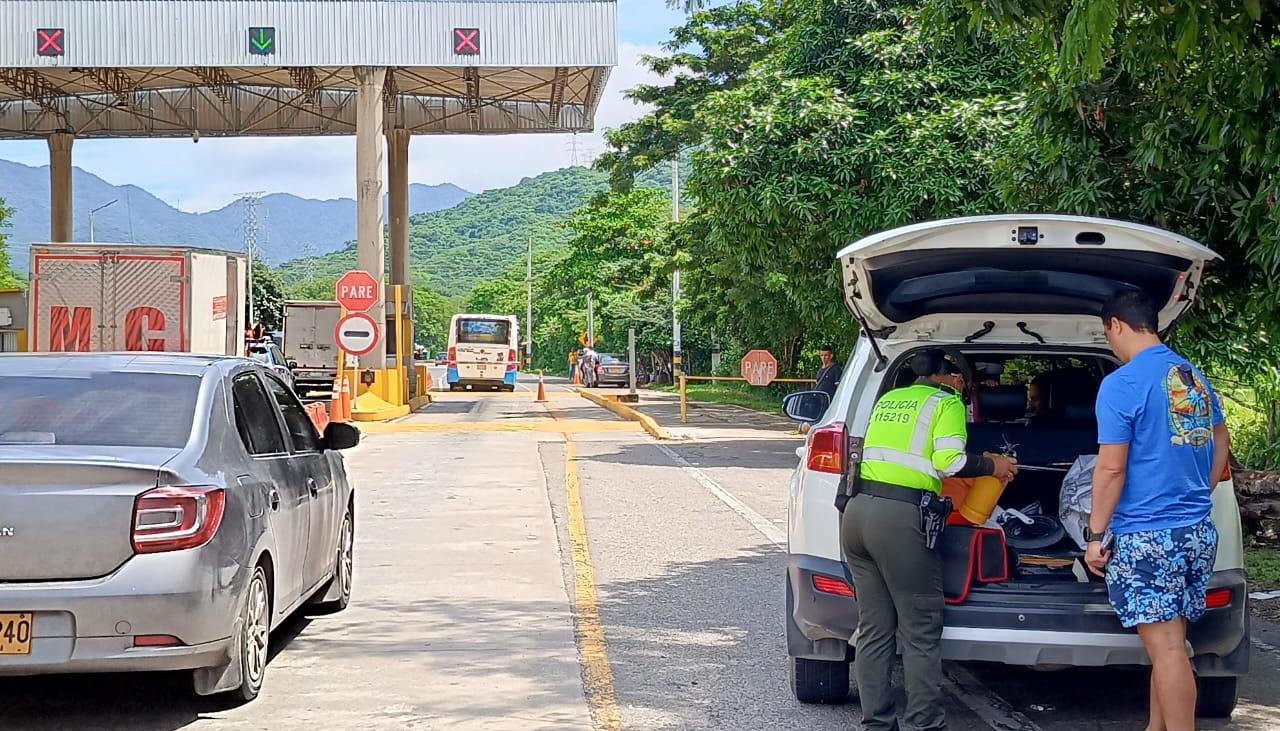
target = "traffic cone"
x: 577, y: 377
x: 542, y: 390
x: 335, y: 400
x: 346, y: 398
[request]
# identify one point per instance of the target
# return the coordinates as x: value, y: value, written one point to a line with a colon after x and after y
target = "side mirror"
x: 292, y: 364
x: 340, y: 435
x: 806, y: 406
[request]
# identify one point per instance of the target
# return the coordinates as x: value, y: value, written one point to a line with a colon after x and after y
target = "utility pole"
x: 95, y: 210
x: 675, y: 276
x: 250, y: 201
x: 528, y: 307
x: 591, y: 322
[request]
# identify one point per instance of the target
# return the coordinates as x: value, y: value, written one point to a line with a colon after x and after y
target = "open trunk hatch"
x: 1017, y: 265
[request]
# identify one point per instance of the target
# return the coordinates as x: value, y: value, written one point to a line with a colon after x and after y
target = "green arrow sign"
x: 262, y: 41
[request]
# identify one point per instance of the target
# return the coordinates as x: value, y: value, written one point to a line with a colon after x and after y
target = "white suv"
x: 1017, y: 295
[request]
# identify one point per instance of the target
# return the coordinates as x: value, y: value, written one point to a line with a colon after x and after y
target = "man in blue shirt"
x: 1162, y: 447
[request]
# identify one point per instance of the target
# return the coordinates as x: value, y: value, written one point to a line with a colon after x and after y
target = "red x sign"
x: 466, y: 41
x: 49, y: 41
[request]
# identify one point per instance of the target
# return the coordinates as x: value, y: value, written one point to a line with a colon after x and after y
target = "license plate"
x: 613, y: 370
x: 15, y: 634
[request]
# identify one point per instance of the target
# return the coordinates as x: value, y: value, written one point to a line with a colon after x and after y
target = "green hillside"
x: 481, y: 237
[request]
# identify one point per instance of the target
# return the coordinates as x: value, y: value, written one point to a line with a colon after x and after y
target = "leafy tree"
x: 431, y: 315
x: 9, y: 279
x: 268, y: 296
x: 712, y: 51
x: 858, y: 122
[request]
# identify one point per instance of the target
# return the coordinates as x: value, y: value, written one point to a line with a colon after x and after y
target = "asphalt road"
x: 528, y: 566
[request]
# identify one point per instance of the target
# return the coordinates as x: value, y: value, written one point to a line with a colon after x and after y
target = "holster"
x: 850, y: 480
x: 933, y: 517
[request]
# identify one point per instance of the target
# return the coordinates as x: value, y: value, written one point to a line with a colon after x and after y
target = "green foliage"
x: 431, y: 316
x: 455, y: 249
x: 712, y: 51
x: 317, y: 288
x: 268, y: 296
x: 9, y: 278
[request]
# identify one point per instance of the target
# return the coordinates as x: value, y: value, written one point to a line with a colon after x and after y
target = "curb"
x: 647, y: 422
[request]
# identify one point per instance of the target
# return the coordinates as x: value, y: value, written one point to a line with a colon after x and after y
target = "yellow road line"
x: 593, y: 652
x: 507, y: 425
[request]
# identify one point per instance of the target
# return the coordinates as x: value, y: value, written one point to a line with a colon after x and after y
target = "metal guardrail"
x: 684, y: 396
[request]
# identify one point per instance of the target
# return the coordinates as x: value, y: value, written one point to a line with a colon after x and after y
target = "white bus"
x: 484, y: 352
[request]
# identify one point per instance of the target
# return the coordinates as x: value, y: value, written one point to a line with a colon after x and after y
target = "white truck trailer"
x: 309, y: 345
x: 125, y: 297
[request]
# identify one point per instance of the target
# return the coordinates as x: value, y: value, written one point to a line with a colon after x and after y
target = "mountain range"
x: 289, y: 227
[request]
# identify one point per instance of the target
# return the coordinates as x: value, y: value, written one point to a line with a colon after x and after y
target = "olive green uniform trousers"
x: 899, y: 589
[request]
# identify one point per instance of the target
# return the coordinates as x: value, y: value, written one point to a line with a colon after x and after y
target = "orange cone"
x: 346, y: 398
x: 542, y: 389
x: 335, y: 401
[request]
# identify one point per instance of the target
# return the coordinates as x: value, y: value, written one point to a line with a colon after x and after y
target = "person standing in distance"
x: 828, y: 377
x: 1162, y: 447
x: 916, y: 436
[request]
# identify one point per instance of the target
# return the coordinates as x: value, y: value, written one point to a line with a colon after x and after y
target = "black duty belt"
x: 890, y: 491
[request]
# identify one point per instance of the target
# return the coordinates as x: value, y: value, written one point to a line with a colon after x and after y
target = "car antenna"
x: 881, y: 361
x: 987, y: 327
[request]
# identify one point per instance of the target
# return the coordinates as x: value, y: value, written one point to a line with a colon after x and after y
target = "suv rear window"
x: 98, y: 409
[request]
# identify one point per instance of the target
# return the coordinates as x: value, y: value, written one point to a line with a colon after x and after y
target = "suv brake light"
x: 1217, y: 598
x: 827, y: 449
x: 177, y: 517
x: 829, y: 585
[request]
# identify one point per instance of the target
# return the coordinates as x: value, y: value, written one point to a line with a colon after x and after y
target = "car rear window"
x: 99, y: 409
x: 611, y: 359
x: 484, y: 332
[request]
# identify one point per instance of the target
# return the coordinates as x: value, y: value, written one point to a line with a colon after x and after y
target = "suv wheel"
x: 820, y: 681
x: 1216, y: 697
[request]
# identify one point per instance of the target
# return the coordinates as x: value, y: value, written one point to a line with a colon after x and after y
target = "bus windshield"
x: 484, y: 332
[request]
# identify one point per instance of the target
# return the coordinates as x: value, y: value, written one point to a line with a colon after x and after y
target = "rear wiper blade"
x: 987, y: 327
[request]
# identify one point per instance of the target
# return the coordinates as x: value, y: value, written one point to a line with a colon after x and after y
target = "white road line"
x: 1268, y: 648
x: 758, y: 521
x: 988, y: 706
x: 991, y: 708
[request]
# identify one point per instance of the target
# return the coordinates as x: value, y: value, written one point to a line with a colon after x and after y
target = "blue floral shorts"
x: 1160, y: 575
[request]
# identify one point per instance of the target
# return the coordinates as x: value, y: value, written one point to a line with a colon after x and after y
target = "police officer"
x: 915, y: 438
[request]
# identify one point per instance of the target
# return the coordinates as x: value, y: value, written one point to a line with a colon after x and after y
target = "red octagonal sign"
x: 356, y: 291
x: 759, y: 367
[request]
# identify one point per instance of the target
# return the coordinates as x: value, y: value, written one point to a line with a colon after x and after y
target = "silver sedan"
x: 163, y: 512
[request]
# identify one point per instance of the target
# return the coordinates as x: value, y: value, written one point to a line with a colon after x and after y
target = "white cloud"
x: 210, y: 174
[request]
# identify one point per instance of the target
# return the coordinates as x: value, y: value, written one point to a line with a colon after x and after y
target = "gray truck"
x: 309, y: 346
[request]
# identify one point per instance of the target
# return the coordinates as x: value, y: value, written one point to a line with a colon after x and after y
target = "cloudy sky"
x: 209, y: 175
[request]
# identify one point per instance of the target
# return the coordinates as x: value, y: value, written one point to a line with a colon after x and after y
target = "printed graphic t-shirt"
x: 1165, y: 410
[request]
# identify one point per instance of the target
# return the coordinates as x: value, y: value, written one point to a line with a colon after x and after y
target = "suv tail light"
x: 829, y: 585
x: 827, y: 449
x: 176, y: 517
x: 1217, y: 598
x: 513, y: 360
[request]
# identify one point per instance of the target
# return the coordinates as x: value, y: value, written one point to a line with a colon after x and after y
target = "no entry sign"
x: 356, y: 290
x: 759, y: 367
x: 356, y: 333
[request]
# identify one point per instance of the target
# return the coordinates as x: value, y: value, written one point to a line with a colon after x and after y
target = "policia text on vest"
x: 892, y: 516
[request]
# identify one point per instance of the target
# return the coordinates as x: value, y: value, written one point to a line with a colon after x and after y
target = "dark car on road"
x: 614, y: 370
x: 163, y: 512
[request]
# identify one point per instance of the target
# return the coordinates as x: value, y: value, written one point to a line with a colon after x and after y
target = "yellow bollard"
x: 684, y: 401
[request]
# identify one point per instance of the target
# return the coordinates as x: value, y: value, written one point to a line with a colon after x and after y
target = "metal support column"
x: 60, y: 186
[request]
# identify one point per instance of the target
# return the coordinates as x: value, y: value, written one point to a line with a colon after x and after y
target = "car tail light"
x: 156, y: 641
x: 176, y: 518
x: 829, y: 585
x: 1217, y: 598
x: 513, y: 360
x: 599, y: 369
x: 826, y: 449
x: 453, y: 357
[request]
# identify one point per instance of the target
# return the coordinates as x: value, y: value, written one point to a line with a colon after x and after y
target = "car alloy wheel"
x: 346, y: 555
x: 257, y: 630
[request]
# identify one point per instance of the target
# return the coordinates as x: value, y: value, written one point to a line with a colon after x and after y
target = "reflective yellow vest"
x: 915, y: 438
